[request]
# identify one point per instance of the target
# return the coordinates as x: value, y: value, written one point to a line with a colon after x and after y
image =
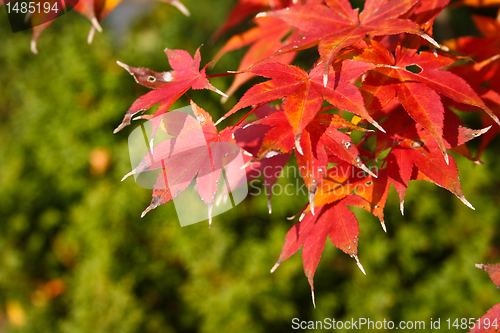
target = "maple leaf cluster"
x: 381, y: 65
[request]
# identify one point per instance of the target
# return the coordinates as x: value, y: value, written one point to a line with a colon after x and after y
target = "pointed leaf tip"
x: 359, y: 264
x: 33, y: 47
x: 222, y: 94
x: 495, y: 118
x: 430, y: 40
x: 402, y: 207
x: 298, y: 146
x: 482, y: 131
x: 244, y: 166
x: 383, y: 226
x: 445, y: 48
x: 95, y: 24
x: 313, y: 298
x: 177, y: 4
x: 377, y: 125
x: 446, y: 158
x: 467, y: 203
x: 274, y: 267
x: 368, y: 171
x: 269, y: 205
x: 209, y: 215
x: 219, y: 121
x: 311, y: 200
x: 147, y: 210
x: 127, y: 175
x: 90, y: 37
x: 121, y: 64
x: 119, y: 128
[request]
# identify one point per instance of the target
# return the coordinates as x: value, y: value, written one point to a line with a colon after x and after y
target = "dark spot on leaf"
x: 417, y: 144
x: 415, y: 69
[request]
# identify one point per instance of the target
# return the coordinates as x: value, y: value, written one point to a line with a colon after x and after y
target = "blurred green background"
x: 75, y: 256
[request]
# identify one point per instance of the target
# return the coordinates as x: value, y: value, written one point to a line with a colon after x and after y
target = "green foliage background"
x: 127, y: 274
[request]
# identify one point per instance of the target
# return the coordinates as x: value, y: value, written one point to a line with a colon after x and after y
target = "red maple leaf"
x: 424, y: 12
x: 342, y: 185
x: 196, y: 150
x: 417, y: 155
x: 265, y: 40
x: 334, y: 220
x: 337, y: 25
x: 244, y: 9
x: 304, y: 92
x: 167, y: 86
x: 482, y: 74
x: 485, y: 51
